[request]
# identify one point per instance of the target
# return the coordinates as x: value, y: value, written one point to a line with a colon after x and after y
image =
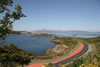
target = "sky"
x: 68, y: 15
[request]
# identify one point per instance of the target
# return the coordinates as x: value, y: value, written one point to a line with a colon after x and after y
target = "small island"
x: 44, y: 35
x: 0, y: 35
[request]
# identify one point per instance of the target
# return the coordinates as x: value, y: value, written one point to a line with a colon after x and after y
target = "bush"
x: 11, y: 55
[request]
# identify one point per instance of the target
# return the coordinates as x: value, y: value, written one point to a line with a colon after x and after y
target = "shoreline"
x: 54, y: 58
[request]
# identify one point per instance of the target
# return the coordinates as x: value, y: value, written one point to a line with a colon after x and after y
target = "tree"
x: 7, y: 16
x: 11, y: 56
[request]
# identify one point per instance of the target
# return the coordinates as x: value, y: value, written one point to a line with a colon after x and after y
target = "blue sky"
x: 81, y: 15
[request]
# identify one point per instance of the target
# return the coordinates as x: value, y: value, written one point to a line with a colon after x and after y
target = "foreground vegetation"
x: 11, y: 56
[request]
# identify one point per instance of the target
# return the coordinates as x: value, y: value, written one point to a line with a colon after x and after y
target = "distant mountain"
x: 44, y: 30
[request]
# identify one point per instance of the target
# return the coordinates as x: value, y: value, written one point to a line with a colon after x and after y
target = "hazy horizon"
x: 57, y: 30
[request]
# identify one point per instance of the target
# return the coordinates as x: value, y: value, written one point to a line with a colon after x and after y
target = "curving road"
x: 74, y: 56
x: 77, y: 53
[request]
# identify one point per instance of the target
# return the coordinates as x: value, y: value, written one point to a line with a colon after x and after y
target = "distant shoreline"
x: 43, y: 35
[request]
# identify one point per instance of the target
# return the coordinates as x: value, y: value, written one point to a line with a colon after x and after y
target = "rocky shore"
x: 58, y: 50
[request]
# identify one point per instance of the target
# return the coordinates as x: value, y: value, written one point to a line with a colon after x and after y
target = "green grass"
x: 66, y: 41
